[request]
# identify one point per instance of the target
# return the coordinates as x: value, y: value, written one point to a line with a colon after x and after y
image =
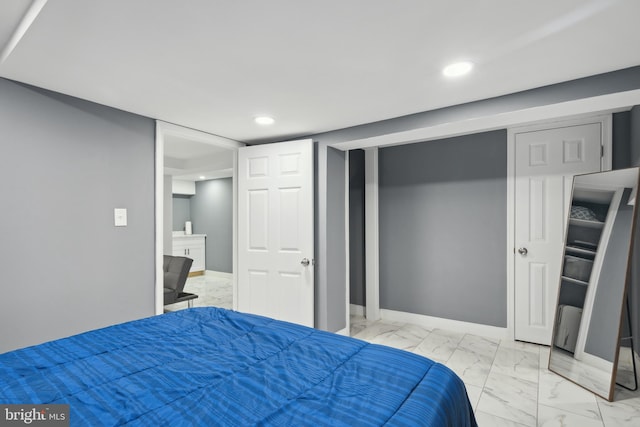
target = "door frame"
x: 534, y: 116
x: 163, y: 129
x: 606, y: 126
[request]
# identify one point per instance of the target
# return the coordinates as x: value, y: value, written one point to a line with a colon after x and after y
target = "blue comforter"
x: 209, y: 366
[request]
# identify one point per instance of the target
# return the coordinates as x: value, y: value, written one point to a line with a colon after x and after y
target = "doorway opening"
x: 197, y: 200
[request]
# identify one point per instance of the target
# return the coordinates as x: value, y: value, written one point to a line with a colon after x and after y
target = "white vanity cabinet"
x: 191, y: 246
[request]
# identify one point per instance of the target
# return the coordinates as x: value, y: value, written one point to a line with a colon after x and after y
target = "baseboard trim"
x: 441, y: 323
x: 196, y: 273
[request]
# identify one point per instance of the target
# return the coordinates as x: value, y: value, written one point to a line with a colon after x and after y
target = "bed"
x: 210, y: 366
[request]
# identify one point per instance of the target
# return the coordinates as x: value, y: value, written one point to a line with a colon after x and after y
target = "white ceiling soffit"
x: 214, y: 65
x: 191, y: 160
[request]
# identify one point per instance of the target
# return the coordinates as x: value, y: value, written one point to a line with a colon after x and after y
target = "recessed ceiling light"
x: 457, y: 69
x: 202, y: 177
x: 264, y: 120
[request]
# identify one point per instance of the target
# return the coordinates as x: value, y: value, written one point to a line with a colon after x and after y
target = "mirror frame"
x: 626, y: 285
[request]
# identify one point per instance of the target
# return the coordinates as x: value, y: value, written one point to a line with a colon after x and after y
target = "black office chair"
x: 176, y: 271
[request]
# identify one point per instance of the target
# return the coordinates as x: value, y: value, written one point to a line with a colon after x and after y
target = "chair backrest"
x: 176, y: 271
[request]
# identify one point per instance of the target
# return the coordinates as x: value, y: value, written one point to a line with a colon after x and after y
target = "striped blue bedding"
x: 210, y: 366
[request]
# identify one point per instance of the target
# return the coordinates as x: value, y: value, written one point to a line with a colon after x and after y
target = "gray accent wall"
x: 330, y: 243
x: 65, y: 165
x: 167, y: 228
x: 336, y: 240
x: 181, y: 211
x: 212, y: 214
x: 443, y: 215
x: 210, y: 211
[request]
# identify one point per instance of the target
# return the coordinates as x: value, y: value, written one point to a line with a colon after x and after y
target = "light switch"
x: 120, y: 217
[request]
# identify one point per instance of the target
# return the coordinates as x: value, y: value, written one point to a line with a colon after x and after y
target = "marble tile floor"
x: 508, y: 383
x: 595, y: 378
x: 212, y: 288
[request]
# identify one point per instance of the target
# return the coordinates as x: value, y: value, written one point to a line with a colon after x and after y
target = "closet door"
x: 545, y: 163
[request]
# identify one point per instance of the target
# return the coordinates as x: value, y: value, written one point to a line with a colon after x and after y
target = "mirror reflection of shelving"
x: 588, y: 329
x: 587, y: 219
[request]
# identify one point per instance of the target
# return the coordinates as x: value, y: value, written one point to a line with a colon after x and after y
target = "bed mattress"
x: 210, y: 366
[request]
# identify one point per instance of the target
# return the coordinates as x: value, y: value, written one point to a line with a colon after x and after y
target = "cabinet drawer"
x: 191, y: 247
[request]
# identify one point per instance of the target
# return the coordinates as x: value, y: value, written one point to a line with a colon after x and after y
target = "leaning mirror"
x: 592, y: 292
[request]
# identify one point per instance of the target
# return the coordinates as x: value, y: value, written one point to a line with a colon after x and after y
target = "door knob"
x: 305, y: 262
x: 523, y: 251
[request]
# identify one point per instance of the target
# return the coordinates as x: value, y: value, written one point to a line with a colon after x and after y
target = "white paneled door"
x: 275, y: 231
x: 545, y: 163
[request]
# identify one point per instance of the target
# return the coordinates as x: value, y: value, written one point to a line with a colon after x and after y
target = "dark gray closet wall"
x: 65, y: 165
x: 621, y: 135
x: 634, y: 134
x: 443, y: 215
x: 357, y: 285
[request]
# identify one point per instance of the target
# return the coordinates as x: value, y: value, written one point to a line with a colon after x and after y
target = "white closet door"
x: 545, y: 164
x: 275, y: 231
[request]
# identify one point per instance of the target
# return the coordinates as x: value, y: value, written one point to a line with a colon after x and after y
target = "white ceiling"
x: 214, y: 65
x: 190, y: 160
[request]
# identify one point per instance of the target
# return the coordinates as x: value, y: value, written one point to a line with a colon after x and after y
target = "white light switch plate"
x: 120, y: 217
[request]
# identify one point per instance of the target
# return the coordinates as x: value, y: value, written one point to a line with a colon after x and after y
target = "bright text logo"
x: 37, y: 415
